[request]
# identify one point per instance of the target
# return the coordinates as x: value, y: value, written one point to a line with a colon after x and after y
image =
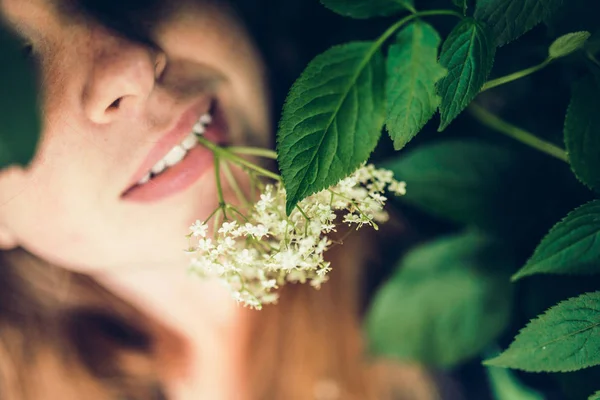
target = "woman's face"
x: 113, y: 109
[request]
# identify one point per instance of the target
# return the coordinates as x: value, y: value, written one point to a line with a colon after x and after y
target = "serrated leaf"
x: 565, y: 338
x: 509, y: 19
x: 582, y: 125
x: 567, y: 44
x: 332, y: 119
x: 368, y: 8
x: 19, y: 120
x: 450, y: 289
x: 463, y: 181
x: 413, y: 71
x: 595, y: 396
x: 468, y: 55
x: 571, y: 247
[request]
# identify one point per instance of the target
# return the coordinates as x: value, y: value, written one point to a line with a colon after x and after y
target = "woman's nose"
x: 121, y: 77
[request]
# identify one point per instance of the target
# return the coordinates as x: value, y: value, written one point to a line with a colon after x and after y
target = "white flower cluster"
x: 257, y: 253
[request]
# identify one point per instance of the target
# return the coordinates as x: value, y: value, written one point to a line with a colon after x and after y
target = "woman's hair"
x: 64, y: 336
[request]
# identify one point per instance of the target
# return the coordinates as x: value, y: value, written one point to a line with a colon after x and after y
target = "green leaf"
x: 446, y: 302
x: 332, y: 119
x: 582, y: 125
x: 509, y: 19
x: 468, y: 55
x: 368, y: 8
x: 570, y: 247
x: 564, y: 338
x: 464, y: 181
x: 567, y: 44
x: 595, y: 396
x: 413, y: 71
x: 506, y: 386
x: 20, y: 120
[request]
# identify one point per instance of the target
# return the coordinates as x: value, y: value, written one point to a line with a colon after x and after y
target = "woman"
x: 108, y: 313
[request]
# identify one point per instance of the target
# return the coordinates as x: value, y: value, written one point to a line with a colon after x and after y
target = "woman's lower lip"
x: 175, y: 179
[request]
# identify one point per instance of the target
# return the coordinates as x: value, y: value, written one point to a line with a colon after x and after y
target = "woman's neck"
x: 202, y: 347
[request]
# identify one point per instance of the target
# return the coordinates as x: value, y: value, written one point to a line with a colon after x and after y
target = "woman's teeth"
x: 177, y: 153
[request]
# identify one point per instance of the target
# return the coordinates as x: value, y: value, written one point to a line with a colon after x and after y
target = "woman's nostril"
x: 115, y: 104
x: 160, y: 65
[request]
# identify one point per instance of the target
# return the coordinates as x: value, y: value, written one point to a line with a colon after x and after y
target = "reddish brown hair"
x: 64, y: 336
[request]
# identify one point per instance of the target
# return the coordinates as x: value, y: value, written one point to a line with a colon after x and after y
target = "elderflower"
x: 259, y: 252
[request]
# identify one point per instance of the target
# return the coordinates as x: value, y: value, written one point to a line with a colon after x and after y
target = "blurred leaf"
x: 567, y: 44
x: 413, y: 71
x: 462, y: 180
x: 582, y: 125
x: 446, y: 302
x: 332, y: 119
x: 592, y: 45
x: 509, y: 19
x: 368, y: 8
x: 571, y: 247
x: 468, y: 55
x: 506, y: 386
x: 595, y: 396
x: 462, y: 4
x: 20, y: 120
x: 565, y: 338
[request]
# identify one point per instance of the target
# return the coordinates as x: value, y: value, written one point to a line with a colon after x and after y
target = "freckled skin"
x: 66, y: 207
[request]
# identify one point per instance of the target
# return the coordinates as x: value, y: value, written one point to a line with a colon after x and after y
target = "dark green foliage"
x: 468, y: 55
x: 332, y: 119
x: 368, y: 8
x: 413, y: 72
x: 464, y: 181
x: 509, y: 19
x: 567, y: 44
x: 565, y: 338
x: 569, y: 248
x: 581, y: 131
x: 20, y: 122
x: 447, y: 301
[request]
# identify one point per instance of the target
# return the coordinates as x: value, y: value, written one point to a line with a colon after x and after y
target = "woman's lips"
x: 173, y: 137
x: 175, y: 179
x: 179, y: 177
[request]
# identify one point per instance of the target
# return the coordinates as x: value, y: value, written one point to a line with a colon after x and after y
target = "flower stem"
x: 253, y: 151
x: 222, y: 203
x: 303, y: 213
x: 409, y: 7
x: 593, y: 59
x: 515, y: 75
x: 305, y: 217
x: 350, y: 200
x: 234, y: 185
x: 238, y: 212
x: 228, y: 155
x: 492, y: 121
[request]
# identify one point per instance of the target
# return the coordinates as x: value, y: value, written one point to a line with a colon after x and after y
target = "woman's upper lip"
x: 181, y: 128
